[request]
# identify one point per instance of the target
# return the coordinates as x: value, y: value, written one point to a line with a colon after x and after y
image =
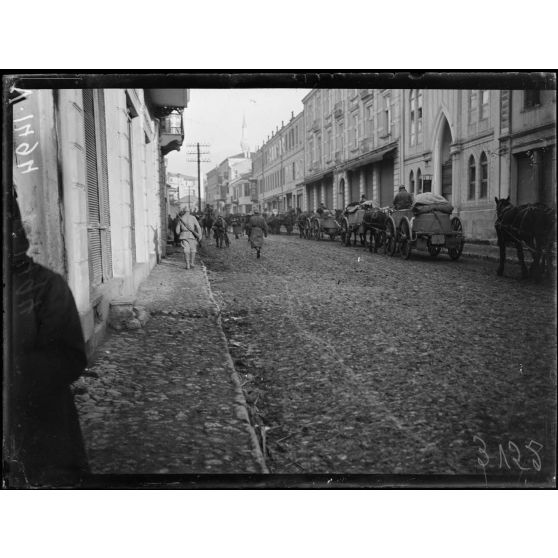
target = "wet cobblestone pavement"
x: 162, y: 399
x: 355, y: 362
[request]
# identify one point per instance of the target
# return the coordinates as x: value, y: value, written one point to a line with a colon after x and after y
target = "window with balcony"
x: 483, y: 176
x: 472, y: 179
x: 531, y: 98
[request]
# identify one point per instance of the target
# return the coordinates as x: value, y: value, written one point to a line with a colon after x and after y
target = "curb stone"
x: 240, y: 399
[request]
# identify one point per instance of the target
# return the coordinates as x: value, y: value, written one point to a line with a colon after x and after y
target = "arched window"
x: 472, y: 178
x: 419, y: 182
x: 483, y: 176
x: 412, y: 182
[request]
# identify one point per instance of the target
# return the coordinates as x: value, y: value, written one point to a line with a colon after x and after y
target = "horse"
x: 532, y: 224
x: 274, y: 224
x: 302, y: 224
x: 206, y: 224
x: 221, y: 236
x: 354, y: 229
x: 375, y: 220
x: 288, y: 220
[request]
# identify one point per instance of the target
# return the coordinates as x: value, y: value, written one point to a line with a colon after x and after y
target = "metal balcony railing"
x: 172, y: 124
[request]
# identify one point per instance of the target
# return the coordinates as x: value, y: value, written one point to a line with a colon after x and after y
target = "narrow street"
x: 355, y: 362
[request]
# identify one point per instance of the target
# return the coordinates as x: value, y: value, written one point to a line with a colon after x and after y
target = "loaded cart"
x: 428, y: 226
x: 323, y: 224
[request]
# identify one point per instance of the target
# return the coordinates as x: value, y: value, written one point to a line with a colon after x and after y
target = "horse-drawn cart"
x: 427, y: 228
x: 323, y: 224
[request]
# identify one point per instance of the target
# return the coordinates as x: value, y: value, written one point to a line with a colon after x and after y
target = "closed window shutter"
x: 93, y: 205
x: 104, y: 190
x: 98, y: 213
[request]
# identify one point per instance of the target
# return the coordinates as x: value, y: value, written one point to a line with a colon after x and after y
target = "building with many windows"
x: 467, y: 145
x: 351, y: 146
x: 473, y: 145
x: 218, y: 179
x: 280, y: 168
x: 89, y: 171
x: 182, y: 185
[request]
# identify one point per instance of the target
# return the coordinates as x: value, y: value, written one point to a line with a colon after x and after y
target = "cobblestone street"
x: 360, y: 363
x: 165, y: 399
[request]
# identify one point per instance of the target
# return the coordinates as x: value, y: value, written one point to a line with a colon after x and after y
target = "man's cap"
x: 402, y: 187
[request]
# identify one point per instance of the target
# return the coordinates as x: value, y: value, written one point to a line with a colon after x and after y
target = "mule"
x: 375, y: 220
x: 206, y: 224
x: 532, y: 224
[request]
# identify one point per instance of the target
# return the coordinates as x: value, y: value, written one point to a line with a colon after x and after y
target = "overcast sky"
x: 214, y: 116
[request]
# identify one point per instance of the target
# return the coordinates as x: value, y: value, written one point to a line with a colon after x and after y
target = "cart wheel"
x: 433, y: 250
x: 457, y: 227
x: 390, y: 243
x: 404, y: 239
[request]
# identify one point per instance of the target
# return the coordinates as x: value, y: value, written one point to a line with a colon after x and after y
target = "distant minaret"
x: 243, y: 141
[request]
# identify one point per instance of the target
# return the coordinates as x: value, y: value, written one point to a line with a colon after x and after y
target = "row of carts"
x: 388, y: 230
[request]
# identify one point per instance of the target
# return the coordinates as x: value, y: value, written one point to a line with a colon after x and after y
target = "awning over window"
x: 369, y: 158
x: 317, y: 176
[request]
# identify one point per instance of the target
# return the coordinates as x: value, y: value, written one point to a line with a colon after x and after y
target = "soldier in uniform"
x: 403, y: 200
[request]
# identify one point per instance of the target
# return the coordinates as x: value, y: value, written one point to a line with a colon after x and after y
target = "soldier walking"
x: 258, y: 229
x: 190, y: 234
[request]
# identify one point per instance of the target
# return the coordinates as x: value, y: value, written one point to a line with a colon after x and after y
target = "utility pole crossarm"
x: 198, y: 152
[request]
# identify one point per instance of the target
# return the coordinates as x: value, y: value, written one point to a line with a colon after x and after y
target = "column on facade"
x: 347, y: 189
x: 362, y: 182
x: 314, y: 197
x: 455, y: 153
x: 335, y: 192
x: 322, y: 192
x: 376, y: 183
x: 72, y: 145
x: 537, y: 174
x: 117, y: 163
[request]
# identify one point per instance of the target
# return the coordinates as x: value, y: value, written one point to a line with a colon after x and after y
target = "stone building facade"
x: 218, y: 179
x: 467, y: 145
x: 351, y: 146
x: 89, y: 172
x: 280, y: 168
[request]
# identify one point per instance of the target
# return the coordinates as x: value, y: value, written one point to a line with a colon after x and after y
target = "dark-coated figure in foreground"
x: 45, y: 445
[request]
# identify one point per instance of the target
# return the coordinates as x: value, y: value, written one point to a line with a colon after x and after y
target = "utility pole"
x: 198, y: 153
